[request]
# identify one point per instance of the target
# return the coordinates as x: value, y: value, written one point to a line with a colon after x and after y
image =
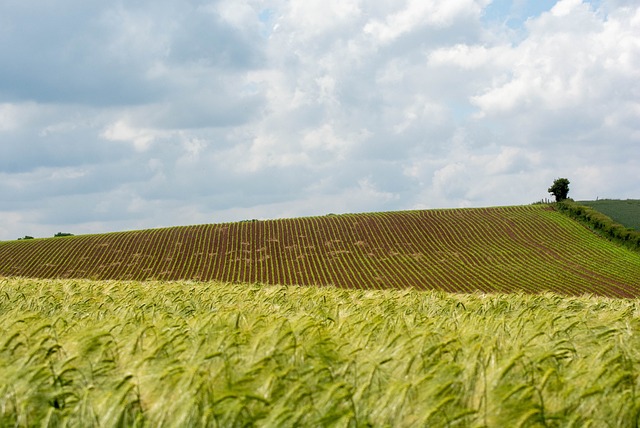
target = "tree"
x: 559, y: 189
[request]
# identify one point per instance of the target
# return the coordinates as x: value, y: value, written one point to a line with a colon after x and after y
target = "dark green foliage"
x: 25, y: 237
x: 59, y: 234
x: 601, y: 223
x: 559, y: 189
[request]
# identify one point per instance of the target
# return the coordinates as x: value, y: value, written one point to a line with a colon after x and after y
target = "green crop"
x: 625, y: 212
x: 530, y: 249
x: 89, y: 353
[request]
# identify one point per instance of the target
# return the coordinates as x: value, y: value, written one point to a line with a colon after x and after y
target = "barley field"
x: 87, y: 353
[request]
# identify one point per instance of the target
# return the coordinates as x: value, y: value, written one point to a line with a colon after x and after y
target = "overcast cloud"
x: 129, y: 115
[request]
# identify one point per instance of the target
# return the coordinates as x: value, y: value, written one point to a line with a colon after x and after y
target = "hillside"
x: 503, y: 249
x: 626, y: 212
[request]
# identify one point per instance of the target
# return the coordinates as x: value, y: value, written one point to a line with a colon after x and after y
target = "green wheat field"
x: 84, y: 353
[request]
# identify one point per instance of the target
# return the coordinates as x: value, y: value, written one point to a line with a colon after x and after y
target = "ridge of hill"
x: 602, y: 224
x: 529, y: 249
x: 626, y: 212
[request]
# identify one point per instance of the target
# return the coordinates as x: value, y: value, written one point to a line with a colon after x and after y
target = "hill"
x: 529, y: 249
x: 626, y: 212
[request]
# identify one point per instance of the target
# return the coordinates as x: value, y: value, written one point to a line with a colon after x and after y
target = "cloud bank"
x: 121, y: 116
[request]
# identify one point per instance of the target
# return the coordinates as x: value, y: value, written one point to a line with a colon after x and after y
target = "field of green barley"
x: 86, y: 353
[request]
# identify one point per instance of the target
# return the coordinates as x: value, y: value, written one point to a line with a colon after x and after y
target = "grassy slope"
x: 505, y: 249
x: 625, y: 212
x: 83, y: 353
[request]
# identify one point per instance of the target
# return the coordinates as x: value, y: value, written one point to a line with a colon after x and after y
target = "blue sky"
x: 515, y: 13
x: 132, y: 115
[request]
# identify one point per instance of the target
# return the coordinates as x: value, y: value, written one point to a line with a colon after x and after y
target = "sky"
x: 125, y: 115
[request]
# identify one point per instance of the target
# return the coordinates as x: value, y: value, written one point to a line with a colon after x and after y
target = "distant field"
x: 625, y: 212
x: 116, y: 354
x: 529, y: 249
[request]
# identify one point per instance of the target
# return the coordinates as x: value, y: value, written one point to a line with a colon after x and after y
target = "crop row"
x: 506, y: 249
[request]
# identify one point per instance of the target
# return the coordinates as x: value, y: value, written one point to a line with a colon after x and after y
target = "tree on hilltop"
x: 559, y: 189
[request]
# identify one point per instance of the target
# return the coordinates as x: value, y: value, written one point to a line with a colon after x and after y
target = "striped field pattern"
x: 530, y: 249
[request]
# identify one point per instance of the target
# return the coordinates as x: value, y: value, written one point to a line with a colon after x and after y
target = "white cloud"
x: 238, y: 13
x: 416, y: 13
x: 510, y: 160
x: 565, y: 7
x: 572, y: 59
x: 120, y: 116
x: 314, y: 17
x: 472, y: 57
x: 122, y: 131
x: 8, y: 117
x: 452, y: 180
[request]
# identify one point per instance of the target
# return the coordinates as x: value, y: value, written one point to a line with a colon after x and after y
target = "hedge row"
x: 601, y: 223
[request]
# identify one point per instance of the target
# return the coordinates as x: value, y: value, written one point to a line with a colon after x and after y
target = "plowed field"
x: 528, y: 249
